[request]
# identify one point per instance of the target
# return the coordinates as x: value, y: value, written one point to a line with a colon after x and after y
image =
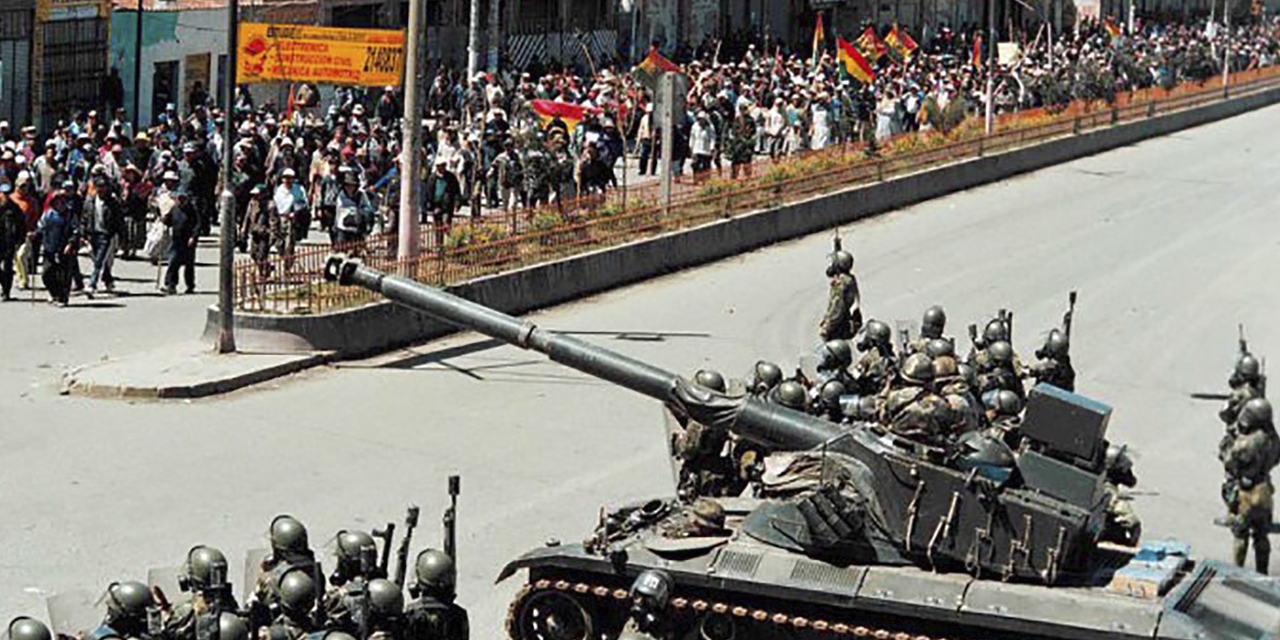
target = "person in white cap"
x: 294, y: 211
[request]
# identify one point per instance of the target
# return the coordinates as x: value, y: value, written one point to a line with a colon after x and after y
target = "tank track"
x: 686, y: 608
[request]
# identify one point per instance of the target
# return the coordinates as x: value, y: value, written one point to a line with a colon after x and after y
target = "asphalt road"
x: 1170, y: 243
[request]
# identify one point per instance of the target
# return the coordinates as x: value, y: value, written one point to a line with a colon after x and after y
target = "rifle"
x: 1066, y: 317
x: 386, y: 534
x: 451, y: 519
x: 402, y: 555
x: 1244, y: 344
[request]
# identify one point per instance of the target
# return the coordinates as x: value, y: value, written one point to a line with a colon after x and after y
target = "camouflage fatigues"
x: 843, y: 318
x: 429, y: 618
x: 1248, y: 462
x: 918, y: 413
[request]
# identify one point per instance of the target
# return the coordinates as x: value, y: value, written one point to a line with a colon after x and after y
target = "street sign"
x: 322, y: 55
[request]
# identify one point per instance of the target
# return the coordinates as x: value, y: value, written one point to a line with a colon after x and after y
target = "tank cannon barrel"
x: 750, y: 417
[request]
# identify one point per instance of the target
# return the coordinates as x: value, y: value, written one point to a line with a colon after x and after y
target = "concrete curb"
x: 381, y: 326
x: 73, y: 384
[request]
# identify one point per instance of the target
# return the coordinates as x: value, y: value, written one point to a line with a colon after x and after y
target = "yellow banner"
x: 322, y: 55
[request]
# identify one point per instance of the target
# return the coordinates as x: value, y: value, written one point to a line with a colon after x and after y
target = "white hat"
x: 289, y: 173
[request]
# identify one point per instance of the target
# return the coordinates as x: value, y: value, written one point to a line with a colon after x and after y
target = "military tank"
x: 863, y: 533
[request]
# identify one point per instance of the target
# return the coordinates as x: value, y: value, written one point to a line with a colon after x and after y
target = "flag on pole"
x: 570, y: 115
x: 854, y: 63
x: 818, y: 37
x: 1111, y: 27
x: 288, y: 112
x: 900, y: 42
x: 652, y: 67
x: 870, y: 45
x: 977, y: 52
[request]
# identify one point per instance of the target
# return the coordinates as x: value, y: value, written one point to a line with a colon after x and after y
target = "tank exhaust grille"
x: 824, y: 575
x: 738, y: 563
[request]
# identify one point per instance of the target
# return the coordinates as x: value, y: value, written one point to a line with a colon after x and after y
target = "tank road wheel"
x: 549, y: 615
x: 717, y: 626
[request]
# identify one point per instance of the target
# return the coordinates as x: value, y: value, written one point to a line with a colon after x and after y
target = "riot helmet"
x: 876, y: 334
x: 357, y: 554
x: 710, y: 379
x: 765, y: 376
x: 297, y: 590
x: 436, y: 574
x: 990, y: 456
x: 933, y: 323
x: 205, y: 567
x: 1055, y: 346
x: 1001, y: 353
x: 1248, y: 369
x: 839, y: 261
x: 232, y: 627
x: 1002, y: 402
x: 128, y: 600
x: 939, y: 347
x: 945, y: 367
x: 1255, y: 414
x: 830, y: 393
x: 288, y: 534
x: 967, y: 373
x: 385, y: 598
x: 995, y: 331
x: 24, y: 628
x: 1119, y: 465
x: 651, y: 590
x: 790, y: 394
x: 835, y: 354
x: 918, y: 369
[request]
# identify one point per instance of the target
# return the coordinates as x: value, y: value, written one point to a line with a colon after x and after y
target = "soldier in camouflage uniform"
x: 433, y: 615
x: 205, y: 575
x: 912, y: 409
x: 537, y: 174
x: 997, y: 369
x: 1004, y: 416
x: 706, y: 466
x: 346, y: 605
x: 965, y: 411
x: 877, y: 365
x: 705, y: 517
x: 1248, y: 463
x: 1122, y: 525
x: 765, y: 376
x: 289, y: 551
x: 843, y: 318
x: 1054, y: 364
x: 296, y: 596
x: 932, y: 325
x: 129, y: 607
x: 1246, y: 384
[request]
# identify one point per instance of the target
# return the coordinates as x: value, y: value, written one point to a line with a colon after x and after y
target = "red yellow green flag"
x: 899, y: 41
x: 870, y: 45
x: 1111, y: 27
x: 977, y: 51
x: 853, y: 62
x: 818, y: 37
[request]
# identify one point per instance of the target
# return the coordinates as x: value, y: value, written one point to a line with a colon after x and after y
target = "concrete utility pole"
x: 473, y: 44
x: 1226, y: 45
x: 495, y: 39
x: 410, y: 156
x: 667, y: 109
x: 227, y: 220
x: 137, y: 72
x: 991, y: 66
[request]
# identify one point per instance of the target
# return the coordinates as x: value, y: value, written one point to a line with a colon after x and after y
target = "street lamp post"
x: 227, y: 219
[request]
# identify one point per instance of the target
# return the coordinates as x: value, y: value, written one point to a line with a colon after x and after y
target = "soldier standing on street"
x: 433, y: 615
x: 843, y: 318
x: 1054, y: 364
x: 1248, y: 463
x: 1246, y: 384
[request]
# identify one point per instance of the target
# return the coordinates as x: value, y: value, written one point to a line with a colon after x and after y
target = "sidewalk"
x: 189, y: 370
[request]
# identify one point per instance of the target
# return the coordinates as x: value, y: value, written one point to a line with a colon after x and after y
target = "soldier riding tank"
x: 864, y: 533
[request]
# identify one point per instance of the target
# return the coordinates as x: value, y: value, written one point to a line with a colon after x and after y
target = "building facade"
x: 53, y: 60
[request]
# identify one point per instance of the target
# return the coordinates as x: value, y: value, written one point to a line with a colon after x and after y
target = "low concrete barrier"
x: 381, y: 326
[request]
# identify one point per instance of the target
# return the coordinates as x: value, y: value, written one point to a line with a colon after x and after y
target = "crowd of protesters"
x: 96, y: 187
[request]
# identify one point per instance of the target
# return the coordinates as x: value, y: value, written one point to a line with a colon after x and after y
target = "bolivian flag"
x: 819, y: 35
x: 853, y: 63
x: 870, y: 45
x: 560, y: 115
x: 977, y: 52
x: 900, y: 42
x: 1111, y: 27
x: 652, y: 67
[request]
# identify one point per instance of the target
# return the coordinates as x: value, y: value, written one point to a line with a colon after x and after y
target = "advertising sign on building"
x: 321, y: 55
x: 1089, y: 9
x: 56, y: 10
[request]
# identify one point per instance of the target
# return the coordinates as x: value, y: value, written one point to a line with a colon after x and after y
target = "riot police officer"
x: 433, y: 614
x: 826, y: 400
x: 386, y: 610
x: 1246, y: 384
x: 1054, y: 362
x: 997, y: 368
x: 912, y: 408
x: 834, y: 359
x: 129, y: 609
x: 932, y: 324
x: 24, y: 628
x: 204, y: 574
x: 790, y: 394
x: 650, y: 596
x: 346, y: 604
x: 764, y: 377
x: 843, y: 317
x: 1122, y: 525
x: 1004, y: 415
x: 877, y: 365
x: 1248, y: 463
x: 289, y: 551
x: 952, y: 386
x: 296, y: 598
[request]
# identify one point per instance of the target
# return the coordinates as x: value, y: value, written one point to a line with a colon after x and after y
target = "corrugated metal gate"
x: 75, y: 62
x: 15, y: 65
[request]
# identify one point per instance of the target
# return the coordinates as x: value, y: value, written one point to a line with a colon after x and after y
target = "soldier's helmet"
x: 288, y: 534
x: 875, y: 334
x: 968, y: 374
x: 707, y: 514
x: 232, y: 627
x: 356, y: 550
x: 839, y: 261
x: 1248, y: 368
x: 1003, y: 402
x: 128, y: 600
x: 710, y: 379
x: 1255, y: 414
x: 830, y: 393
x: 835, y: 354
x: 995, y: 331
x: 945, y: 367
x: 918, y: 369
x: 790, y: 394
x: 939, y: 347
x: 436, y: 573
x: 1119, y: 466
x: 991, y: 457
x: 1056, y: 345
x: 933, y: 322
x: 1001, y: 353
x: 24, y: 628
x: 653, y: 587
x: 385, y: 598
x: 765, y: 376
x: 205, y: 567
x: 297, y: 590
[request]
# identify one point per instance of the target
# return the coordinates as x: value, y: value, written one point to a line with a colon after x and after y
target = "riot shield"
x: 74, y: 614
x: 252, y: 571
x: 165, y: 584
